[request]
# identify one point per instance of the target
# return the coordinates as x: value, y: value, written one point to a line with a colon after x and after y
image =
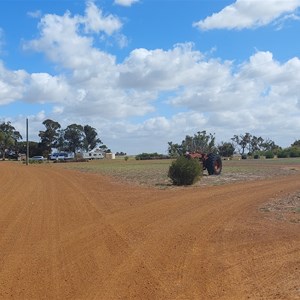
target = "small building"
x: 110, y: 155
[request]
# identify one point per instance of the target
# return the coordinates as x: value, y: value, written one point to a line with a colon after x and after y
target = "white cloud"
x: 248, y: 14
x: 159, y: 69
x: 122, y: 40
x: 221, y: 89
x: 35, y: 14
x: 152, y: 132
x: 126, y: 2
x: 95, y: 21
x: 12, y: 84
x: 123, y: 99
x: 219, y: 96
x: 44, y: 88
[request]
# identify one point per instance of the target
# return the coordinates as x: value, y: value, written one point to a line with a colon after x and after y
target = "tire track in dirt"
x: 72, y: 231
x: 184, y: 231
x: 70, y: 235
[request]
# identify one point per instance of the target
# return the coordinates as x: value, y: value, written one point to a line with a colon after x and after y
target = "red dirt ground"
x: 71, y: 235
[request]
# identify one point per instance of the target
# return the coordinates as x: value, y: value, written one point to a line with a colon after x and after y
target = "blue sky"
x: 145, y: 72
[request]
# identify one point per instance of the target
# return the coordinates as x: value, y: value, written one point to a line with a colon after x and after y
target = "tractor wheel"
x: 213, y: 164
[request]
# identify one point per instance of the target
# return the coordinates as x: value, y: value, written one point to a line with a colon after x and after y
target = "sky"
x: 147, y: 72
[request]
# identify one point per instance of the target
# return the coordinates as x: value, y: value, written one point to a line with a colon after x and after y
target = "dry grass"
x: 154, y: 172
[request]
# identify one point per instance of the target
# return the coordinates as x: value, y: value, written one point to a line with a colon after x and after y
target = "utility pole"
x: 27, y: 143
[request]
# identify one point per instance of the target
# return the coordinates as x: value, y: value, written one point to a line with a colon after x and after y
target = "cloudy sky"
x: 145, y: 72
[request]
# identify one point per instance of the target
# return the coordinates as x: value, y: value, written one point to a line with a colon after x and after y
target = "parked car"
x: 37, y: 158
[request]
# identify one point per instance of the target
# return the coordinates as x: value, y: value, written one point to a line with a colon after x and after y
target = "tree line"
x: 76, y: 137
x: 244, y: 144
x: 73, y: 138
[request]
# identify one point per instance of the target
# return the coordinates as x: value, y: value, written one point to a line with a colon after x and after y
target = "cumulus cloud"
x: 161, y: 130
x: 12, y: 84
x: 160, y: 69
x: 95, y: 21
x: 256, y: 81
x: 199, y: 92
x: 126, y: 2
x: 44, y: 88
x: 248, y: 14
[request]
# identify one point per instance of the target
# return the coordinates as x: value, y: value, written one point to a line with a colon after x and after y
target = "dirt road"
x: 71, y: 235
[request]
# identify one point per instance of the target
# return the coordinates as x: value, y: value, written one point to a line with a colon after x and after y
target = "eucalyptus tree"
x: 226, y: 149
x: 90, y: 140
x: 74, y: 138
x: 9, y: 138
x: 49, y: 137
x: 242, y: 142
x: 200, y: 141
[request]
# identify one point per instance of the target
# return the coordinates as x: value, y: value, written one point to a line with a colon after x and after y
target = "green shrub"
x: 294, y: 152
x: 283, y: 154
x: 149, y: 156
x: 269, y: 154
x: 256, y: 156
x: 244, y: 156
x: 184, y: 171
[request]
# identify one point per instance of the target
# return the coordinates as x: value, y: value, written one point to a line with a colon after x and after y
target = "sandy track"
x: 70, y: 235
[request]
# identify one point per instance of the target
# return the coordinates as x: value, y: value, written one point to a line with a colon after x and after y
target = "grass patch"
x: 155, y: 172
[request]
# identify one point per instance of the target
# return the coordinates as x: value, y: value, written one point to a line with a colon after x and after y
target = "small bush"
x: 294, y: 152
x: 244, y: 156
x: 35, y: 161
x: 149, y: 156
x: 283, y: 154
x: 126, y: 158
x: 256, y: 156
x: 269, y: 154
x: 184, y: 171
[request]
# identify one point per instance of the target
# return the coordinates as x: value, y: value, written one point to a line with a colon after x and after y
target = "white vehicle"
x: 37, y: 158
x: 61, y: 156
x: 92, y: 155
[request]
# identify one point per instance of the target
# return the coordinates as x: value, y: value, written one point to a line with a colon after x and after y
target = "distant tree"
x: 148, y: 156
x: 226, y: 149
x: 9, y: 138
x: 242, y: 142
x: 269, y: 145
x: 105, y: 149
x: 34, y: 148
x: 49, y: 137
x: 201, y: 141
x: 174, y: 150
x: 74, y: 137
x: 90, y: 140
x: 294, y: 151
x: 255, y: 144
x: 121, y: 153
x: 296, y: 144
x: 269, y: 154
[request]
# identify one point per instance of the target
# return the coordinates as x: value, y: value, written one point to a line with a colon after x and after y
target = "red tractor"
x: 211, y: 162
